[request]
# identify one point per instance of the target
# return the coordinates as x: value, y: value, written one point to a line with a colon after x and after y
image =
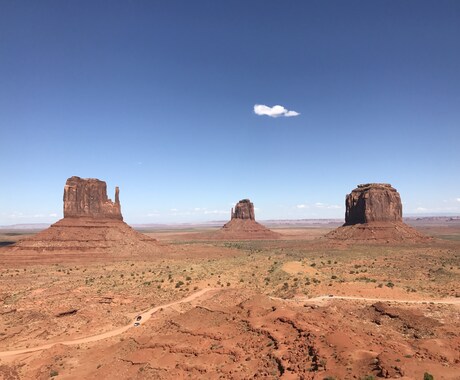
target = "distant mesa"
x: 91, y: 223
x: 374, y: 213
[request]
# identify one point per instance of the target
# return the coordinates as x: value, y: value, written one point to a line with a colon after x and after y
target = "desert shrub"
x: 179, y: 284
x: 366, y: 279
x: 427, y: 376
x: 54, y: 373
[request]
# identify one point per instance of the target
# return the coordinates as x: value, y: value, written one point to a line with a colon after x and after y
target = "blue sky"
x: 158, y: 98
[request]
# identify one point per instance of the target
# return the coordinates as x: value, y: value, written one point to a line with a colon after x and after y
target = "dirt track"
x: 366, y: 299
x: 146, y: 315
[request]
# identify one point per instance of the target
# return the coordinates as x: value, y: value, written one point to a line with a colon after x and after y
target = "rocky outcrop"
x: 87, y: 197
x: 244, y: 209
x: 373, y: 202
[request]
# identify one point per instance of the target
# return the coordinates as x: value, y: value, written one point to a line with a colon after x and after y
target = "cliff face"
x: 374, y: 202
x: 88, y: 198
x: 244, y: 209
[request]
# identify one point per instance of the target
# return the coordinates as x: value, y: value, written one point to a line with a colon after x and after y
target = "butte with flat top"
x: 374, y: 214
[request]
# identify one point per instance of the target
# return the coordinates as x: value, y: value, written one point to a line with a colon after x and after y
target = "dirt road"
x: 451, y: 301
x: 146, y: 315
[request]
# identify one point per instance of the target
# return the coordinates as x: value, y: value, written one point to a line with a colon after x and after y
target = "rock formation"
x: 373, y: 202
x: 88, y: 197
x: 92, y: 223
x: 374, y: 214
x: 242, y: 226
x: 244, y: 209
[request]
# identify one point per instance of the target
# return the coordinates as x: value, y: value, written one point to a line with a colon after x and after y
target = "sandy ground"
x: 236, y: 309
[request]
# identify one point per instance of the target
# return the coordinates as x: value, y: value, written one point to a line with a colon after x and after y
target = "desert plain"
x: 295, y: 307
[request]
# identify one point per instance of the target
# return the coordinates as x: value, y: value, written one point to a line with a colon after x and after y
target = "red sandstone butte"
x: 374, y: 214
x: 92, y: 223
x: 88, y: 197
x: 244, y: 209
x: 243, y: 224
x: 373, y: 202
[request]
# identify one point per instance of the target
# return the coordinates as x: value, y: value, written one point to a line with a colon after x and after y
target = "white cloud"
x: 291, y: 113
x: 275, y: 111
x: 302, y: 206
x: 53, y: 215
x: 421, y: 209
x: 458, y: 199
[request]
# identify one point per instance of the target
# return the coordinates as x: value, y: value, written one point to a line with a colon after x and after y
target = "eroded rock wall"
x: 87, y: 197
x: 244, y: 209
x: 373, y: 202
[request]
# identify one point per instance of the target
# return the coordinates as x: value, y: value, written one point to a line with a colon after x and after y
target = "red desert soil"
x: 394, y: 311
